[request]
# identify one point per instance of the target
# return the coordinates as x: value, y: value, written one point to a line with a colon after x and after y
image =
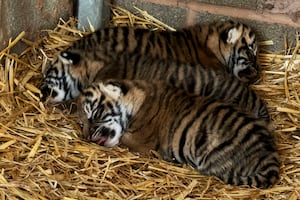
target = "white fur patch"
x: 88, y: 110
x: 233, y: 35
x: 118, y: 133
x: 61, y: 92
x: 111, y: 90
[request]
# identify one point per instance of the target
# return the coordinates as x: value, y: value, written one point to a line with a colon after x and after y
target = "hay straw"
x: 122, y: 17
x: 43, y: 156
x: 153, y: 19
x: 13, y: 43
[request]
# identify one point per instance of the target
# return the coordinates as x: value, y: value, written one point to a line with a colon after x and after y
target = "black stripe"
x: 252, y: 97
x: 150, y: 43
x: 171, y: 52
x: 159, y: 44
x: 234, y: 89
x: 229, y: 180
x: 228, y: 142
x: 114, y: 38
x: 192, y: 45
x: 187, y: 47
x: 257, y: 181
x: 133, y: 68
x: 125, y: 32
x: 201, y: 138
x: 249, y: 180
x: 183, y: 140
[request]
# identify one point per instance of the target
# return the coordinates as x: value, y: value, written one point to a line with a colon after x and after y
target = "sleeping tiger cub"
x: 226, y: 46
x: 71, y: 72
x: 215, y: 138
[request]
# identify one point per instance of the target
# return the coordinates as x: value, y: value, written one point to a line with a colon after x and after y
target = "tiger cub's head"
x: 104, y: 109
x: 67, y: 74
x: 60, y: 81
x: 238, y: 48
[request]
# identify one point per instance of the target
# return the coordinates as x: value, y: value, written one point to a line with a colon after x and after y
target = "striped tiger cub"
x: 226, y: 46
x: 215, y: 138
x: 71, y: 72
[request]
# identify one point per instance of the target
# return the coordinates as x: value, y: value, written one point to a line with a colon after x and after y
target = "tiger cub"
x: 215, y: 138
x: 227, y: 46
x: 71, y: 72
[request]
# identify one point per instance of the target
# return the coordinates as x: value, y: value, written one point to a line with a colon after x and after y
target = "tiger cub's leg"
x: 133, y: 143
x: 136, y: 142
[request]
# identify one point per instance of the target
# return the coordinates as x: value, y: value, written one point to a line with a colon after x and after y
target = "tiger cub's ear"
x: 121, y: 85
x: 71, y: 57
x: 114, y: 89
x: 230, y: 36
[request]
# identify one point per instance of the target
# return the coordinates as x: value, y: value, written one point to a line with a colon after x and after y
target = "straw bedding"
x: 43, y: 156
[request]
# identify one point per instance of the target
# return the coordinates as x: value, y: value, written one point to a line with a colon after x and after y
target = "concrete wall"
x: 271, y: 19
x: 30, y: 16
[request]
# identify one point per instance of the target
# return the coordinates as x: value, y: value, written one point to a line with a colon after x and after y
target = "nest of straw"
x: 43, y: 156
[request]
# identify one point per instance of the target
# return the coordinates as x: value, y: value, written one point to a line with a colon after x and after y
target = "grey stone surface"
x: 172, y: 16
x: 30, y: 16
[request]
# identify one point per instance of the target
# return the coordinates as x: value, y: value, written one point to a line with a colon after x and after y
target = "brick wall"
x: 271, y: 19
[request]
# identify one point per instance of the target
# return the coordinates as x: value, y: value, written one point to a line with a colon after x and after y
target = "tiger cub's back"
x: 214, y: 137
x: 225, y: 46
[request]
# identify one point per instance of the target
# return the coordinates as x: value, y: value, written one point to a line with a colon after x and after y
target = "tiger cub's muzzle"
x: 101, y: 135
x: 47, y: 92
x: 249, y: 74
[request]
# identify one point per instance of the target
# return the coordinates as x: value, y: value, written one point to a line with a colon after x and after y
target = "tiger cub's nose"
x: 47, y: 92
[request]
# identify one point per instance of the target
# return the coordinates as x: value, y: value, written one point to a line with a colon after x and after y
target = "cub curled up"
x: 216, y: 138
